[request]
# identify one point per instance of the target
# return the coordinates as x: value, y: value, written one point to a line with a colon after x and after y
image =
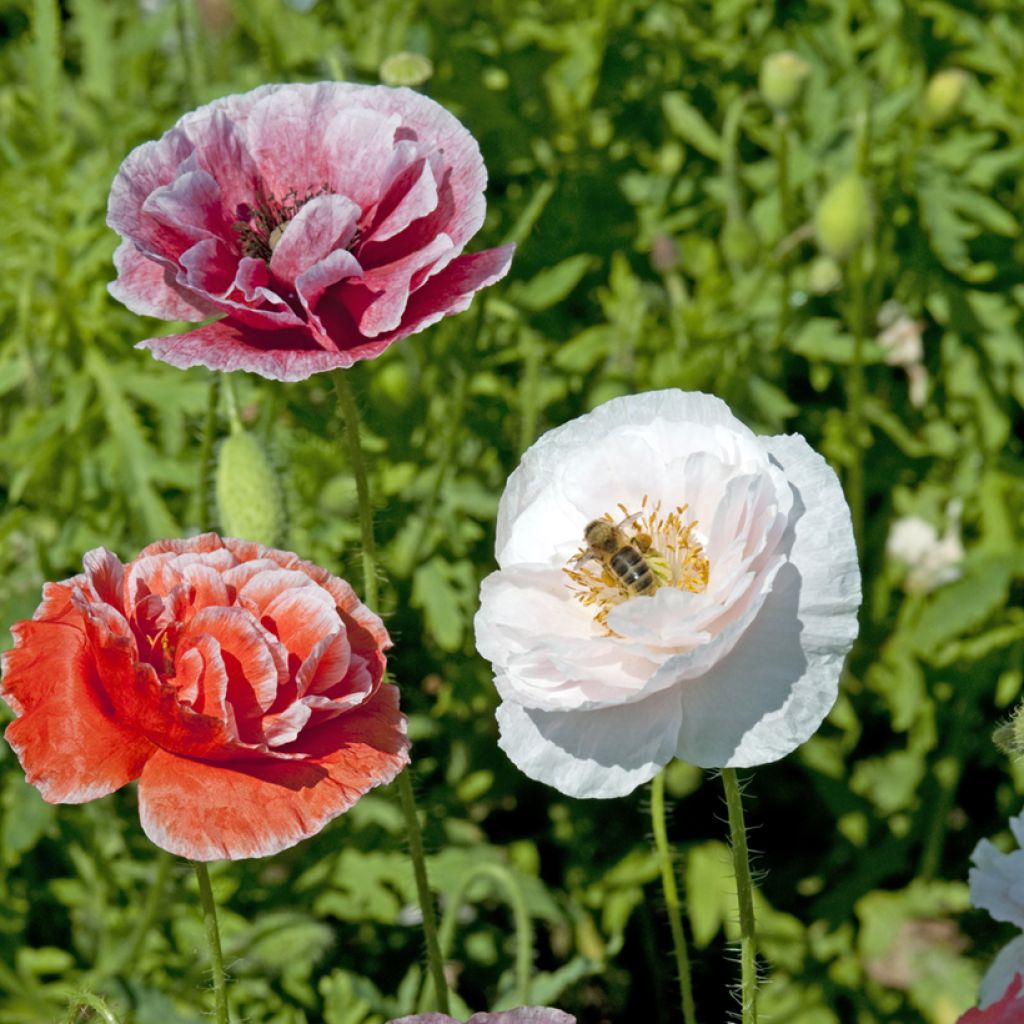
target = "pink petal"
x: 324, y: 224
x: 149, y: 288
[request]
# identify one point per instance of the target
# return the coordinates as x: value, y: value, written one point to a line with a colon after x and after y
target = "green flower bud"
x: 782, y: 79
x: 250, y: 505
x: 944, y: 92
x: 1009, y: 737
x: 843, y: 218
x: 406, y: 68
x: 823, y: 275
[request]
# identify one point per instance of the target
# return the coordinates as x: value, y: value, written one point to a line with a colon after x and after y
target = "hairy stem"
x: 668, y: 884
x: 744, y: 895
x: 220, y: 988
x: 371, y: 594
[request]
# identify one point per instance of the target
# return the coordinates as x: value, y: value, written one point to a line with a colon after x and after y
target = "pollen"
x: 667, y: 542
x: 259, y: 227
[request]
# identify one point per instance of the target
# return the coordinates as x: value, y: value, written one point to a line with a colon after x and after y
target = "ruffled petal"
x: 149, y: 287
x: 781, y: 679
x: 206, y: 811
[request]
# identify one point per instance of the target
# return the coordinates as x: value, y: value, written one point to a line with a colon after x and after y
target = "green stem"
x: 419, y: 865
x: 220, y: 988
x: 521, y: 915
x: 668, y: 885
x: 200, y: 507
x: 744, y: 895
x: 786, y: 218
x: 350, y: 413
x: 150, y: 911
x: 855, y: 395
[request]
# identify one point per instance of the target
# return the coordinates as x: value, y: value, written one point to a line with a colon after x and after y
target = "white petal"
x: 706, y: 419
x: 774, y: 689
x: 997, y: 882
x: 1008, y: 962
x: 602, y: 753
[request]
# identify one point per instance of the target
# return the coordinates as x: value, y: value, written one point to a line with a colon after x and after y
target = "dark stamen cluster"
x: 257, y: 224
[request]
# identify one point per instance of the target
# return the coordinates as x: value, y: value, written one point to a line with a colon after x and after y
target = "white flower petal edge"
x: 595, y: 754
x: 997, y: 879
x: 773, y: 690
x: 1008, y: 963
x: 734, y: 673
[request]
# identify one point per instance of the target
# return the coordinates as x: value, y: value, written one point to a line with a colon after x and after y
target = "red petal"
x: 68, y: 739
x: 1009, y: 1009
x: 209, y: 811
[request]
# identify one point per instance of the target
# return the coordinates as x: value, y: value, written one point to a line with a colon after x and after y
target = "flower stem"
x: 350, y: 413
x: 419, y: 865
x: 220, y: 988
x: 668, y: 884
x: 524, y: 926
x: 200, y: 507
x: 744, y: 894
x: 855, y: 396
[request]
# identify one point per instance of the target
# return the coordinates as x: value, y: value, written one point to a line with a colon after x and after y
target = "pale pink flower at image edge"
x: 323, y: 222
x: 523, y: 1015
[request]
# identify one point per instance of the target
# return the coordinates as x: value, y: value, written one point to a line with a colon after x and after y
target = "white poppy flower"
x: 731, y: 655
x: 997, y: 879
x: 931, y: 560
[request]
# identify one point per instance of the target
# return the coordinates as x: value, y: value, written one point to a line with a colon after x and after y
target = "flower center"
x: 634, y: 556
x: 259, y: 228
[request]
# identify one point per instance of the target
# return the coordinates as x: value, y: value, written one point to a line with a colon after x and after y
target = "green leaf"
x: 689, y: 124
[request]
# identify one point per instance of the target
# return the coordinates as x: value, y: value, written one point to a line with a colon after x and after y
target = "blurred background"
x: 829, y: 240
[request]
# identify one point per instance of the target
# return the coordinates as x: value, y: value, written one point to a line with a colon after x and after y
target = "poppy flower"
x: 321, y: 222
x: 240, y: 685
x: 1008, y: 1010
x: 524, y: 1015
x: 995, y: 887
x: 669, y: 585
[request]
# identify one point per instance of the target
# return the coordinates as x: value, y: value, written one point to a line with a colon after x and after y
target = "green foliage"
x: 665, y: 222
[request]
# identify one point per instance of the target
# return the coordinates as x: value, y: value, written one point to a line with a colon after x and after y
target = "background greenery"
x: 609, y: 129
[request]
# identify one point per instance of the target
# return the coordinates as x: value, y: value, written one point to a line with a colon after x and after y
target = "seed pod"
x: 250, y: 505
x: 406, y: 68
x: 944, y: 92
x: 843, y: 218
x: 782, y: 78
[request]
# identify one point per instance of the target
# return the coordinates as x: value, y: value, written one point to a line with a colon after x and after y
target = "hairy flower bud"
x: 249, y: 502
x: 943, y: 94
x: 781, y: 79
x: 843, y: 218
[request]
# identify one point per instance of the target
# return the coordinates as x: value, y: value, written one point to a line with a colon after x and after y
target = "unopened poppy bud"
x: 249, y: 501
x: 843, y: 218
x: 824, y: 275
x: 664, y: 253
x: 782, y: 79
x: 1009, y: 737
x: 406, y: 68
x: 943, y: 94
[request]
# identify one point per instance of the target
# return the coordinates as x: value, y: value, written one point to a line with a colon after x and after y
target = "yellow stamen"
x: 667, y: 543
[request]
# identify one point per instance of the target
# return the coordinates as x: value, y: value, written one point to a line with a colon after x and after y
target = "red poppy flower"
x: 324, y: 221
x: 239, y: 684
x: 1009, y: 1009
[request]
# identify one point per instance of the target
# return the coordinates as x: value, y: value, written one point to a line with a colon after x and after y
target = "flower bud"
x: 1009, y: 737
x: 406, y: 68
x: 782, y: 79
x: 824, y: 275
x: 943, y: 94
x: 249, y: 500
x: 843, y: 218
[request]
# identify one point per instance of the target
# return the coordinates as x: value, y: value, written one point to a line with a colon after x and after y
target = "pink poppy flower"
x: 321, y: 222
x: 242, y: 687
x: 1009, y: 1009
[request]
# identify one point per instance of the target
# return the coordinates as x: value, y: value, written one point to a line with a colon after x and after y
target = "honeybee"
x: 622, y: 555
